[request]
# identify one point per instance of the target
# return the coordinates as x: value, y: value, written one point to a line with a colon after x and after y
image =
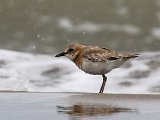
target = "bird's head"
x: 71, y: 51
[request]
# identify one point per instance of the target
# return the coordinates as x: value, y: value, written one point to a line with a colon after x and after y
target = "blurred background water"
x: 48, y: 26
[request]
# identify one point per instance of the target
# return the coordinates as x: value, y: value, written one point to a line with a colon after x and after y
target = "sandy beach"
x: 78, y: 106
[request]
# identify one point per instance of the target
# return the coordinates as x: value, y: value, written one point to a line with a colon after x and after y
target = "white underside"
x: 99, y: 68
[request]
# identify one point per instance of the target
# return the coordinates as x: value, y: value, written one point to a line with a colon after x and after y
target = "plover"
x: 96, y: 60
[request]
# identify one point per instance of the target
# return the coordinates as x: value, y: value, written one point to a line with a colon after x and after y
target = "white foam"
x: 91, y: 27
x: 155, y: 32
x: 44, y: 73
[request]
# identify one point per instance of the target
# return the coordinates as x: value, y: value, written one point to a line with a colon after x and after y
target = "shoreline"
x: 64, y: 106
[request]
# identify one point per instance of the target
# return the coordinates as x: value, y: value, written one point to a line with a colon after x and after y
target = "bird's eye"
x: 70, y: 49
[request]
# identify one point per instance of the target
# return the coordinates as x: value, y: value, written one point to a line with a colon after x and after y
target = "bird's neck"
x: 78, y: 59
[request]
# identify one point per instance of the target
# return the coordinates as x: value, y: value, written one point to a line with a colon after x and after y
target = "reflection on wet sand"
x: 91, y: 110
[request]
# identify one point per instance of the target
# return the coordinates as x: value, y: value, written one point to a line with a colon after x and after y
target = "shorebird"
x: 96, y: 60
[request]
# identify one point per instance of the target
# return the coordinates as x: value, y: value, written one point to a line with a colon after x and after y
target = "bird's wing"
x: 105, y: 54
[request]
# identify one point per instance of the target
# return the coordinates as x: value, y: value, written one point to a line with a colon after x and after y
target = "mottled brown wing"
x: 105, y: 54
x: 100, y: 55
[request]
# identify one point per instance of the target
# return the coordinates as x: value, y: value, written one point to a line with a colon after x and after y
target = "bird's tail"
x: 132, y: 56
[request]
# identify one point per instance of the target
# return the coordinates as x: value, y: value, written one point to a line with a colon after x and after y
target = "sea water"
x: 44, y: 73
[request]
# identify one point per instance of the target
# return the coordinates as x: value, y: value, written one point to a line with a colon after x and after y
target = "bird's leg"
x: 103, y: 84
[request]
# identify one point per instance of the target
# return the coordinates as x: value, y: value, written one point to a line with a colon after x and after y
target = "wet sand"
x: 78, y: 106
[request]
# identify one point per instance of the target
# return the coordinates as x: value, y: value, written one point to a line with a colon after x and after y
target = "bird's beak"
x: 61, y: 54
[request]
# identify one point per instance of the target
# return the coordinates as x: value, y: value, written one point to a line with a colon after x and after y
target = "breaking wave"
x: 45, y: 73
